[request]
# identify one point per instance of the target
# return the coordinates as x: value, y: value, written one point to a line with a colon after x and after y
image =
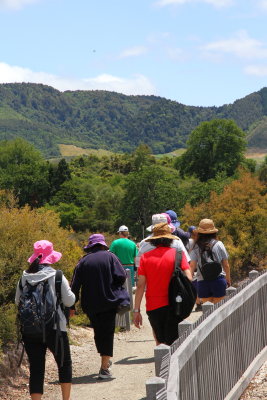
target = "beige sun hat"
x: 206, y: 226
x: 161, y: 230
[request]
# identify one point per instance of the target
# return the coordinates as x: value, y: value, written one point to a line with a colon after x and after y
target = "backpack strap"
x: 210, y: 247
x: 58, y: 282
x: 178, y: 259
x: 59, y: 339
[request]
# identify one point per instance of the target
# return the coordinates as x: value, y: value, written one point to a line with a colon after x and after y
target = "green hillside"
x: 98, y: 119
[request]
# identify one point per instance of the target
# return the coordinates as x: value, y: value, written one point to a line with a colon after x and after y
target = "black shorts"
x: 164, y: 324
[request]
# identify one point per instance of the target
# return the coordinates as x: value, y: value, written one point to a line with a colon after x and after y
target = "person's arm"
x: 76, y: 282
x: 68, y: 297
x: 226, y: 268
x: 141, y: 285
x: 193, y: 266
x: 185, y: 267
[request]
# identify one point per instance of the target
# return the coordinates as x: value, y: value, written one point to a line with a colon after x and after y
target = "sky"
x: 196, y: 52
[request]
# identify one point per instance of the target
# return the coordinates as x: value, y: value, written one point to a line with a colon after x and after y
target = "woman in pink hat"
x: 40, y: 270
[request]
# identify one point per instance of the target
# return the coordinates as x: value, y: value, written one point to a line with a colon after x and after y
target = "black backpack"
x: 209, y: 268
x: 182, y: 294
x: 37, y: 311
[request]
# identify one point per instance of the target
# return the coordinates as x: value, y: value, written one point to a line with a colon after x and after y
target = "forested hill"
x: 108, y: 120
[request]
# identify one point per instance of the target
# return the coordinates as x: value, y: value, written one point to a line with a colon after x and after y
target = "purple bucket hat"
x: 94, y: 239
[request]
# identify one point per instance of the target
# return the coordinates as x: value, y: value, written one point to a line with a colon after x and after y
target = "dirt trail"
x: 133, y: 364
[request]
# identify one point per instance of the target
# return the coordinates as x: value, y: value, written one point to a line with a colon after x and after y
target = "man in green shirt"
x: 125, y: 249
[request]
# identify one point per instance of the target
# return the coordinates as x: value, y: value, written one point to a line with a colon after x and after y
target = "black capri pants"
x: 164, y: 324
x: 104, y: 326
x: 36, y: 351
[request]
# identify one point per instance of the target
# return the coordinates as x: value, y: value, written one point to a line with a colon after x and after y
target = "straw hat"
x: 161, y: 230
x: 206, y: 226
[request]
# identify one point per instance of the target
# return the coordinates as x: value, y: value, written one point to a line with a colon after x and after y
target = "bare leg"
x: 105, y: 362
x: 36, y: 396
x: 65, y: 390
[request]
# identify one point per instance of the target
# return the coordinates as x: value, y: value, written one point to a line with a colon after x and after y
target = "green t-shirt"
x: 125, y: 249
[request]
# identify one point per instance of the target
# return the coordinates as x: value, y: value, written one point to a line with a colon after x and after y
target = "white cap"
x: 156, y: 219
x: 123, y: 228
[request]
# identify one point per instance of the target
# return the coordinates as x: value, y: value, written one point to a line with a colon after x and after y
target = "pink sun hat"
x: 45, y: 249
x: 169, y: 221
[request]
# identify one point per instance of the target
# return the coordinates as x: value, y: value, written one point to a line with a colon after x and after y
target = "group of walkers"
x: 98, y: 281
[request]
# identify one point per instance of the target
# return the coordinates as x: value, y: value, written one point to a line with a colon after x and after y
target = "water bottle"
x: 178, y: 300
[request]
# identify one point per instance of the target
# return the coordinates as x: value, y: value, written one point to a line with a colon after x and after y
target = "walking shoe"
x: 104, y: 374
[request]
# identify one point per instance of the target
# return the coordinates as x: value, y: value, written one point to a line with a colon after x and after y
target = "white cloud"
x: 176, y: 54
x: 133, y: 52
x: 241, y: 46
x: 15, y: 4
x: 263, y: 4
x: 256, y: 70
x: 215, y: 3
x: 136, y: 85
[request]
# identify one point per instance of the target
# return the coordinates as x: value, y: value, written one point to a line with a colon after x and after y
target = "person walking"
x: 146, y: 246
x: 126, y: 251
x: 40, y: 270
x: 184, y: 236
x: 207, y: 244
x: 100, y: 276
x: 154, y: 275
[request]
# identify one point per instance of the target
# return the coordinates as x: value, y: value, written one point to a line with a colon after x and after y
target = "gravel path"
x: 133, y: 364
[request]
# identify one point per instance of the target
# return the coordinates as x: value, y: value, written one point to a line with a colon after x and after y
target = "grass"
x: 68, y: 150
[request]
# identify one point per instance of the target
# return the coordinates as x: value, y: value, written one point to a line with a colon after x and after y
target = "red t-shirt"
x: 157, y: 266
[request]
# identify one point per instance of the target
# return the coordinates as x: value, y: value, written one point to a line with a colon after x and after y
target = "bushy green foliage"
x: 19, y: 229
x: 213, y: 147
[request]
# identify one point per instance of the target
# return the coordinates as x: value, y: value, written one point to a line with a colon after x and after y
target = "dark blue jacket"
x: 99, y: 275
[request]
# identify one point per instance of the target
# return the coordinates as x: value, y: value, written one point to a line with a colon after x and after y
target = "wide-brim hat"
x: 161, y: 230
x: 45, y: 249
x: 94, y: 239
x: 206, y: 226
x: 174, y: 219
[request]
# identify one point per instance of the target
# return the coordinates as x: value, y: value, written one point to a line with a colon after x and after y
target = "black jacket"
x: 100, y: 276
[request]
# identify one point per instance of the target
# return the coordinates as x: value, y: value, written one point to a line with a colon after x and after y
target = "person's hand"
x: 72, y: 313
x: 137, y: 319
x: 228, y: 281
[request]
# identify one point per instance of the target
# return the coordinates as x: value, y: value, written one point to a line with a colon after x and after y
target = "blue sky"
x: 196, y: 52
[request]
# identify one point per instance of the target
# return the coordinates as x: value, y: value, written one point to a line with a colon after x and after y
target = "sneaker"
x: 198, y: 307
x: 104, y: 374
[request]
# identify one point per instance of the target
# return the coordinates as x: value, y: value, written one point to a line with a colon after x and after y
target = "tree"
x: 151, y: 190
x: 23, y: 170
x: 240, y: 213
x: 213, y: 147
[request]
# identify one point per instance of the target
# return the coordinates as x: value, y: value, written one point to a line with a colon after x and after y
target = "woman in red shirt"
x: 154, y: 274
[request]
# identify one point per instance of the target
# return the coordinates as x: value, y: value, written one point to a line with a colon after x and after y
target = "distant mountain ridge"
x: 47, y: 117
